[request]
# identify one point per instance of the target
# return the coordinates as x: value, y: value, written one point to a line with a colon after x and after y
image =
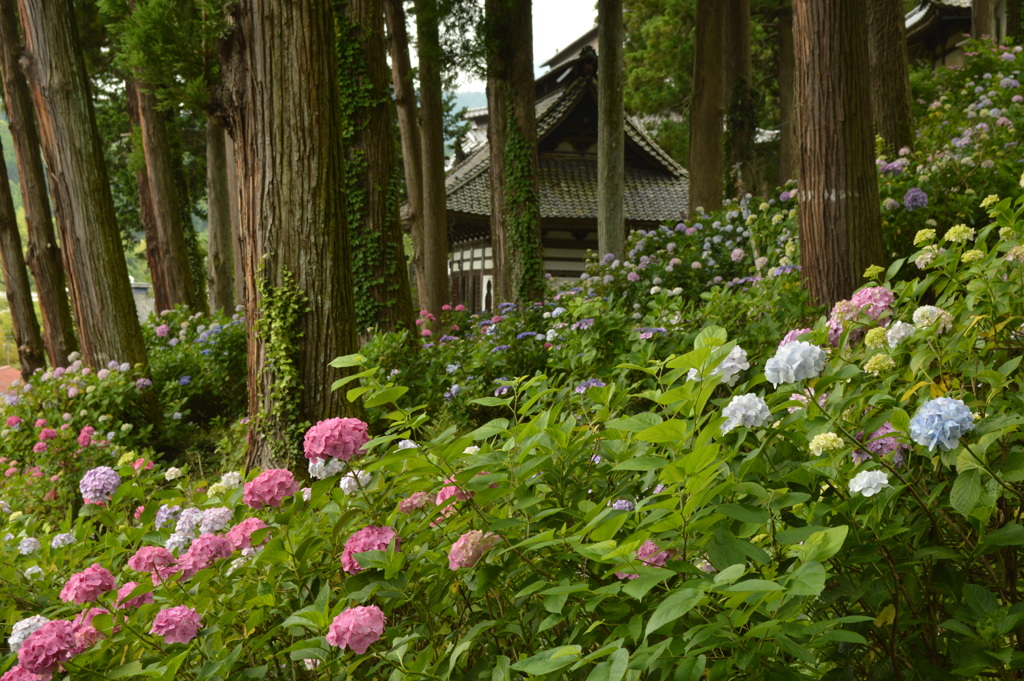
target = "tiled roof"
x: 919, y: 13
x: 568, y: 187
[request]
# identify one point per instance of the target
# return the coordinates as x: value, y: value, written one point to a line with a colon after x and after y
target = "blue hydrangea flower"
x: 941, y: 422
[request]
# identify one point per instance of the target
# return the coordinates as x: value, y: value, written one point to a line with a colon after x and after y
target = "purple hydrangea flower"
x: 915, y: 198
x: 99, y: 484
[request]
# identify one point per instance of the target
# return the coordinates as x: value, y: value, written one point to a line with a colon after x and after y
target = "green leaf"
x: 348, y: 361
x: 745, y: 513
x: 672, y: 430
x: 821, y: 546
x: 730, y: 574
x: 807, y: 580
x: 491, y: 401
x: 710, y: 337
x: 966, y: 491
x: 1010, y: 534
x: 634, y: 424
x: 549, y: 661
x: 755, y: 585
x: 386, y: 396
x: 640, y: 463
x: 672, y: 608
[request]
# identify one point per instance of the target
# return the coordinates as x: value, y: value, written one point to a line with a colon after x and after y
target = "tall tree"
x: 435, y: 284
x: 383, y: 297
x: 741, y: 105
x: 19, y: 294
x: 1014, y: 28
x: 108, y: 327
x: 706, y: 107
x: 789, y: 146
x: 512, y: 138
x: 840, y: 220
x: 44, y: 258
x: 281, y: 106
x: 891, y: 102
x: 220, y: 248
x: 172, y: 254
x: 409, y: 133
x: 611, y: 125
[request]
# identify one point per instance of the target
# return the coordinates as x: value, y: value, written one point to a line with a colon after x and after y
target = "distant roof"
x: 931, y: 18
x: 568, y: 187
x: 568, y: 53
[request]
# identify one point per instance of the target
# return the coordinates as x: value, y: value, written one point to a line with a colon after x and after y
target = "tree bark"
x: 437, y: 291
x: 220, y: 250
x: 1013, y: 25
x: 16, y: 285
x: 409, y: 132
x: 236, y: 234
x: 789, y: 147
x: 706, y: 163
x: 101, y: 296
x: 512, y: 138
x: 280, y: 97
x: 840, y: 220
x: 382, y: 278
x: 44, y: 257
x: 891, y: 102
x: 983, y: 18
x: 173, y: 256
x: 741, y: 113
x: 611, y: 124
x: 147, y: 214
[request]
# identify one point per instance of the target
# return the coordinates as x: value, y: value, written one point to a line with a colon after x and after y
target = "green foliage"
x: 278, y: 328
x: 525, y: 255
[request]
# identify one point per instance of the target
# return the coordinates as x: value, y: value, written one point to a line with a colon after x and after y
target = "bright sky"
x: 556, y: 23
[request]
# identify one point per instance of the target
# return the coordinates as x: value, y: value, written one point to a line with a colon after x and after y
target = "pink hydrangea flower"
x: 874, y: 301
x: 88, y: 585
x: 470, y: 548
x: 86, y: 635
x: 47, y: 434
x: 336, y: 438
x: 370, y: 538
x: 85, y: 436
x: 357, y: 628
x: 240, y: 536
x: 270, y: 488
x: 142, y: 464
x: 131, y: 603
x: 648, y: 554
x: 162, y: 331
x: 14, y: 421
x: 47, y: 647
x: 179, y: 624
x: 202, y: 553
x: 40, y: 447
x: 40, y: 423
x: 413, y: 502
x: 793, y: 336
x: 19, y: 673
x: 156, y: 560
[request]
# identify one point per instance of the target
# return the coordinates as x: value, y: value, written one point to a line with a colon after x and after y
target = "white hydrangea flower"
x: 231, y: 480
x: 178, y: 542
x: 188, y: 521
x: 215, y: 519
x: 28, y: 546
x: 172, y: 474
x: 794, y: 362
x: 551, y: 335
x: 472, y: 449
x: 934, y: 318
x: 325, y: 468
x: 749, y: 410
x: 869, y: 483
x: 825, y: 442
x: 407, y: 444
x: 354, y: 481
x: 899, y: 332
x: 307, y: 493
x: 729, y: 369
x: 23, y: 629
x: 63, y: 539
x: 34, y: 572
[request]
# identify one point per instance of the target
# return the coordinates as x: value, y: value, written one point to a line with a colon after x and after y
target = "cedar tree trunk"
x: 236, y: 234
x: 108, y: 326
x: 983, y: 18
x: 741, y: 113
x: 44, y: 257
x: 19, y: 293
x: 611, y: 123
x: 378, y: 254
x: 840, y: 222
x: 409, y: 132
x: 280, y: 94
x: 220, y: 248
x: 435, y: 218
x: 706, y: 107
x: 891, y: 104
x: 512, y: 137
